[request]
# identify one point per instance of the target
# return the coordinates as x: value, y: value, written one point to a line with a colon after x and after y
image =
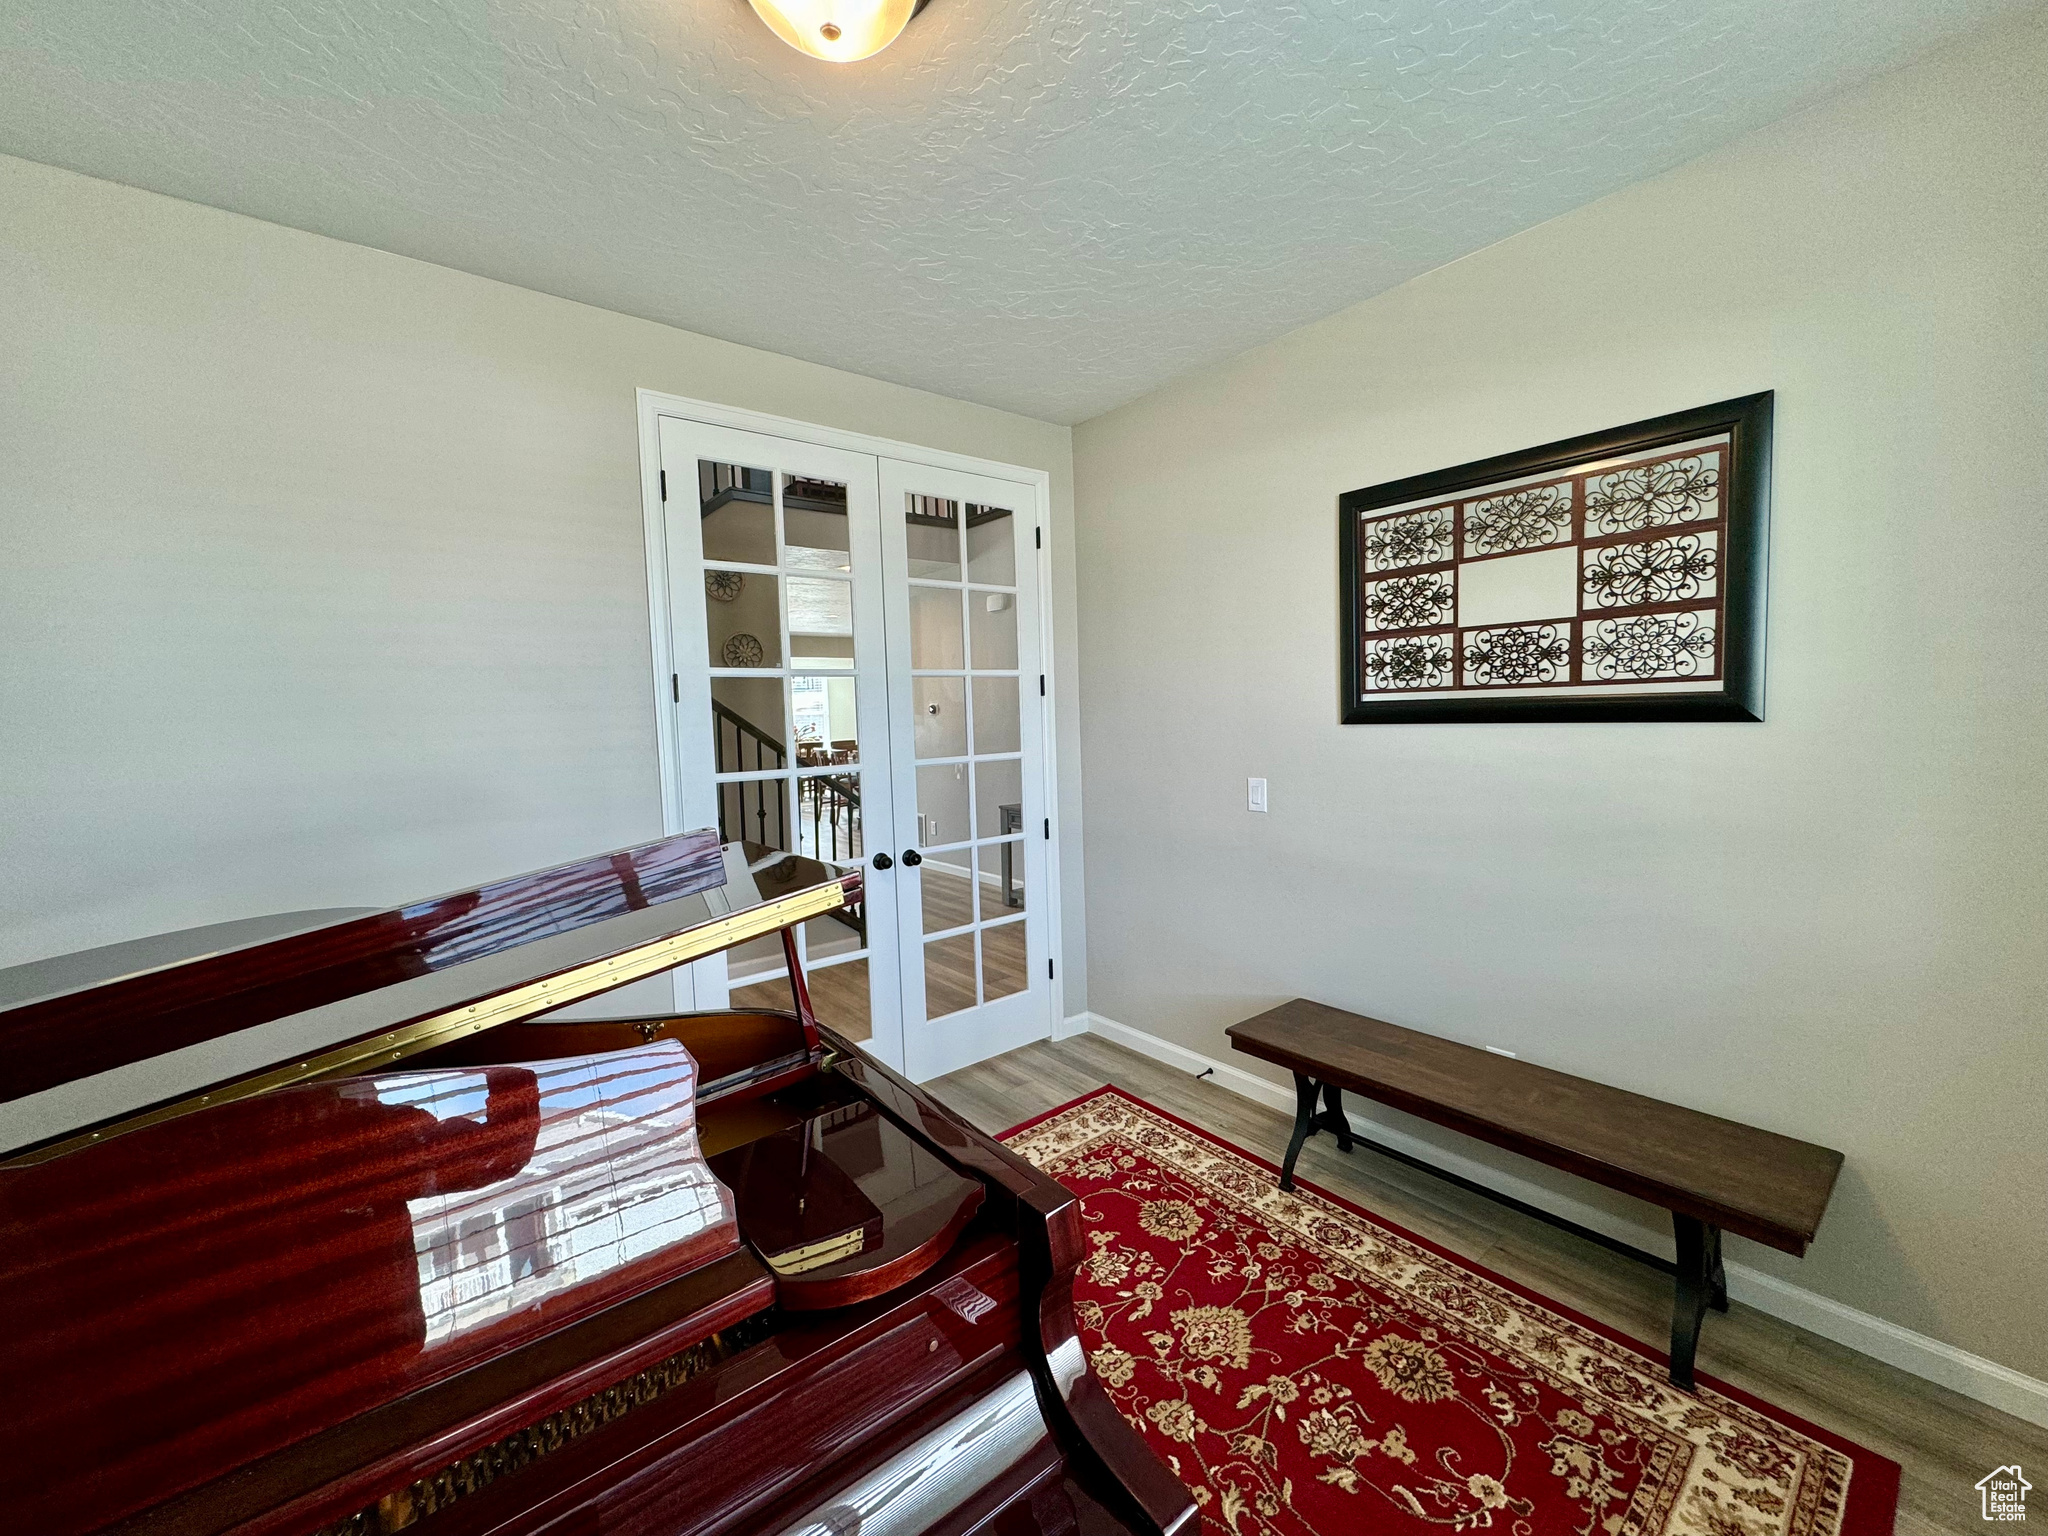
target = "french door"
x: 855, y: 682
x: 966, y: 764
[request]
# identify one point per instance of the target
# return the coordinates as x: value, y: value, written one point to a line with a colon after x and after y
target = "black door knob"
x: 912, y: 858
x: 883, y: 861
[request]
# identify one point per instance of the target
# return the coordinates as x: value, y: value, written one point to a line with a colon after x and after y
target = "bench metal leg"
x: 1700, y: 1286
x: 1305, y: 1090
x: 1717, y: 1295
x: 1333, y: 1101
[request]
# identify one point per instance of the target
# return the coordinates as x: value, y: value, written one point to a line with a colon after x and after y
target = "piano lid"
x: 191, y: 1298
x: 40, y: 979
x: 349, y: 995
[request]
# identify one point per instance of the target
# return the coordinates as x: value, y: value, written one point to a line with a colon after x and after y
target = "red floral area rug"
x: 1306, y: 1368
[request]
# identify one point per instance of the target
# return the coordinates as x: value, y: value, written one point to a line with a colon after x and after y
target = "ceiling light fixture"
x: 838, y: 31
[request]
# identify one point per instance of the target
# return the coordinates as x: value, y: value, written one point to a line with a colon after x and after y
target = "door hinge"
x: 1048, y: 829
x: 1041, y: 685
x: 675, y: 688
x: 664, y: 485
x: 1038, y: 538
x: 1048, y: 970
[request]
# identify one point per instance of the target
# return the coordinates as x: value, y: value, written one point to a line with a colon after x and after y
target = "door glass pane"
x: 1004, y: 968
x: 941, y: 723
x: 743, y: 622
x: 756, y: 959
x: 747, y: 724
x: 824, y: 714
x: 755, y: 814
x: 995, y: 714
x: 948, y: 975
x: 992, y: 626
x: 836, y: 933
x: 932, y: 532
x: 738, y: 510
x: 821, y: 623
x: 839, y: 997
x: 1002, y: 877
x: 814, y: 527
x: 942, y: 805
x: 821, y: 653
x: 991, y: 546
x: 773, y: 995
x: 935, y: 629
x: 948, y: 890
x: 828, y: 823
x: 998, y: 797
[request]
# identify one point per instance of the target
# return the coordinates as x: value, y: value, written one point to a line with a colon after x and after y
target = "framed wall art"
x: 1616, y: 576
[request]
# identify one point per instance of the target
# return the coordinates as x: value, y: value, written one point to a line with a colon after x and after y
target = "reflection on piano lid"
x: 206, y: 1291
x: 574, y: 913
x: 614, y: 1179
x: 42, y: 979
x: 369, y: 1247
x: 363, y: 993
x: 843, y: 1205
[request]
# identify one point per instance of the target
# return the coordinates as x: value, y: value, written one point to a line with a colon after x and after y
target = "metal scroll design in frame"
x: 1615, y: 576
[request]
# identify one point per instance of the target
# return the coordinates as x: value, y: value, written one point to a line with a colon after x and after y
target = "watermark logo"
x: 2005, y: 1494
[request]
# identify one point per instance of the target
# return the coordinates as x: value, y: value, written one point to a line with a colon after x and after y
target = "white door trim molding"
x: 1985, y: 1381
x: 653, y: 405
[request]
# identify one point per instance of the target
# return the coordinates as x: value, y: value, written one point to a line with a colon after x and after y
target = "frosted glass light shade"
x: 840, y: 31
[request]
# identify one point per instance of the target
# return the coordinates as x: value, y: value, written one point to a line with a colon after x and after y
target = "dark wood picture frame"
x: 1742, y: 531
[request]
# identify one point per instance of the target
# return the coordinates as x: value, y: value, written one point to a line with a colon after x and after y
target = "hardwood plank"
x: 1003, y: 964
x: 1942, y: 1440
x: 839, y: 997
x: 1770, y: 1188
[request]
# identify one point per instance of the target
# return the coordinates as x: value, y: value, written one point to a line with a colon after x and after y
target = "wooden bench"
x: 1712, y: 1175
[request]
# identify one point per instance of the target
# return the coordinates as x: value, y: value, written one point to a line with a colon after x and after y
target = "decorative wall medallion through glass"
x: 1616, y: 576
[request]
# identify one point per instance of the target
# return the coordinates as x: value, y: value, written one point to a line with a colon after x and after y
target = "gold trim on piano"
x: 570, y: 986
x: 478, y: 1470
x: 799, y: 1261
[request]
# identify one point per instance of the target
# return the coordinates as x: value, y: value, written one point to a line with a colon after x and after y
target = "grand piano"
x: 325, y: 1225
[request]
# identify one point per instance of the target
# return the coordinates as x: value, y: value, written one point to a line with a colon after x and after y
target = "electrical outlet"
x: 1255, y: 794
x: 1501, y: 1050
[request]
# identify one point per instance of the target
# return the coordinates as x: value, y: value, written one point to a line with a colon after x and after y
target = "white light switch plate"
x: 1255, y: 794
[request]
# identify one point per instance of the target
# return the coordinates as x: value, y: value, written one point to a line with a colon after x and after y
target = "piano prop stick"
x: 310, y: 1224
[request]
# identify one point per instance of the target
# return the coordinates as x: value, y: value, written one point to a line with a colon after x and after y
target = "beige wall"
x: 1832, y: 924
x: 322, y: 579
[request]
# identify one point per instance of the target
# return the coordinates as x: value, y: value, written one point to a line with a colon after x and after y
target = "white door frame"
x: 655, y: 404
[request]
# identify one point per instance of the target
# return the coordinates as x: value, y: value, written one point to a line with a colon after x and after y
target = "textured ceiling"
x: 1046, y: 205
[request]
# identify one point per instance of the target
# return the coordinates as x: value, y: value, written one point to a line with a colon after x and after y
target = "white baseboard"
x: 1067, y: 1028
x: 1999, y: 1386
x: 990, y: 877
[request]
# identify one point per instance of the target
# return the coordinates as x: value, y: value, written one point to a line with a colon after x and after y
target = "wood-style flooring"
x: 1944, y: 1441
x: 839, y: 993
